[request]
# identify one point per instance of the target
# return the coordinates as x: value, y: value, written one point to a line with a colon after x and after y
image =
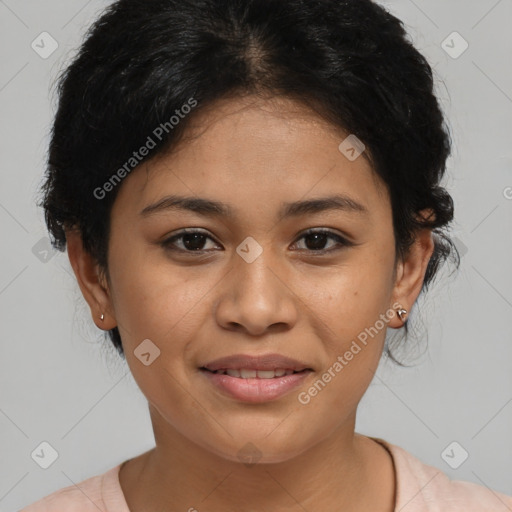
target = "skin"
x: 253, y: 154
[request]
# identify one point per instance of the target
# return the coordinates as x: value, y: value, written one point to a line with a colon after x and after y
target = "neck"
x: 337, y: 473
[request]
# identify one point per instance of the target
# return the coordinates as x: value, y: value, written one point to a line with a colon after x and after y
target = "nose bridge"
x: 255, y: 269
x: 255, y: 296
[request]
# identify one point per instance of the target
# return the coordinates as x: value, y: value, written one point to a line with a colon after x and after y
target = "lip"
x: 261, y: 362
x: 255, y: 390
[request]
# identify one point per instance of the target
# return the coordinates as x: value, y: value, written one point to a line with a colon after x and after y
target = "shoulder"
x: 86, y: 496
x: 424, y: 488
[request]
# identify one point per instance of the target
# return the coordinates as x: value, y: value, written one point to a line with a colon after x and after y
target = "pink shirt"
x: 420, y: 488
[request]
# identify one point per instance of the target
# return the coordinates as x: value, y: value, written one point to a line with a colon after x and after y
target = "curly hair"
x: 349, y: 60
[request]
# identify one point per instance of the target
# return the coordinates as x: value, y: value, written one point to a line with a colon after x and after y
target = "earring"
x: 102, y: 317
x: 401, y: 313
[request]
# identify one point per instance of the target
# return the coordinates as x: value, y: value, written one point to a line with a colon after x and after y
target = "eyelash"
x: 343, y: 242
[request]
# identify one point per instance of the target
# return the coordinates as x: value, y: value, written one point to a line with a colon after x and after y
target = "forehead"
x: 249, y: 150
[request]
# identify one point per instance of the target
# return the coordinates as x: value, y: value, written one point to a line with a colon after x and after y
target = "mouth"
x: 255, y: 379
x: 248, y: 366
x: 245, y: 385
x: 256, y: 389
x: 247, y: 373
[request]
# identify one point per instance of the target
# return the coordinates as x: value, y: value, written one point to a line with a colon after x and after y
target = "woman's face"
x: 257, y: 285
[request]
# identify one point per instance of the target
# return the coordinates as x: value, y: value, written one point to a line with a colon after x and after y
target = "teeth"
x: 266, y: 374
x: 244, y: 373
x: 248, y: 374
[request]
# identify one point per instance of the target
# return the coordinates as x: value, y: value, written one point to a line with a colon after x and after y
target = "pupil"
x: 195, y: 237
x: 317, y: 244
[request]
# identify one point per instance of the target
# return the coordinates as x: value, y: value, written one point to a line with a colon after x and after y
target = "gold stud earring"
x: 102, y: 317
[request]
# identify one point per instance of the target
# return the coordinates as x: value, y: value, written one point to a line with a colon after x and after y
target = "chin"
x: 258, y: 449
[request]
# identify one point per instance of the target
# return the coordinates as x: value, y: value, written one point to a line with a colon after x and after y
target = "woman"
x: 249, y: 194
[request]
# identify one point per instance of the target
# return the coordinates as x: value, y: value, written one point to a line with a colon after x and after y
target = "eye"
x: 319, y: 237
x: 191, y: 240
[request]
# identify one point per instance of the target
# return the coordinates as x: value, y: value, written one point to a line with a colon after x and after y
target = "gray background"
x: 58, y: 385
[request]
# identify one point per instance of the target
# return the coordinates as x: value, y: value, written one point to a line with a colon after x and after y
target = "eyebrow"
x: 210, y: 208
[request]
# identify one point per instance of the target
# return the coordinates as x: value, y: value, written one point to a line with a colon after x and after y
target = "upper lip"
x: 261, y: 362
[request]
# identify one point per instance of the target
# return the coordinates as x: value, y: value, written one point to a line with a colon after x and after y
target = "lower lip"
x: 256, y: 390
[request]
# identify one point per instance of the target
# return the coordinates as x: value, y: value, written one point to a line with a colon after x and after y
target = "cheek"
x: 165, y: 307
x: 351, y: 312
x: 352, y: 297
x: 152, y: 300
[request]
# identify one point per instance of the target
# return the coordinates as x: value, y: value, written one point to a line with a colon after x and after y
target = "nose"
x: 257, y: 297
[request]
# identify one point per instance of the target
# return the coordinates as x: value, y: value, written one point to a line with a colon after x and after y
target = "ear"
x: 92, y: 283
x: 410, y: 273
